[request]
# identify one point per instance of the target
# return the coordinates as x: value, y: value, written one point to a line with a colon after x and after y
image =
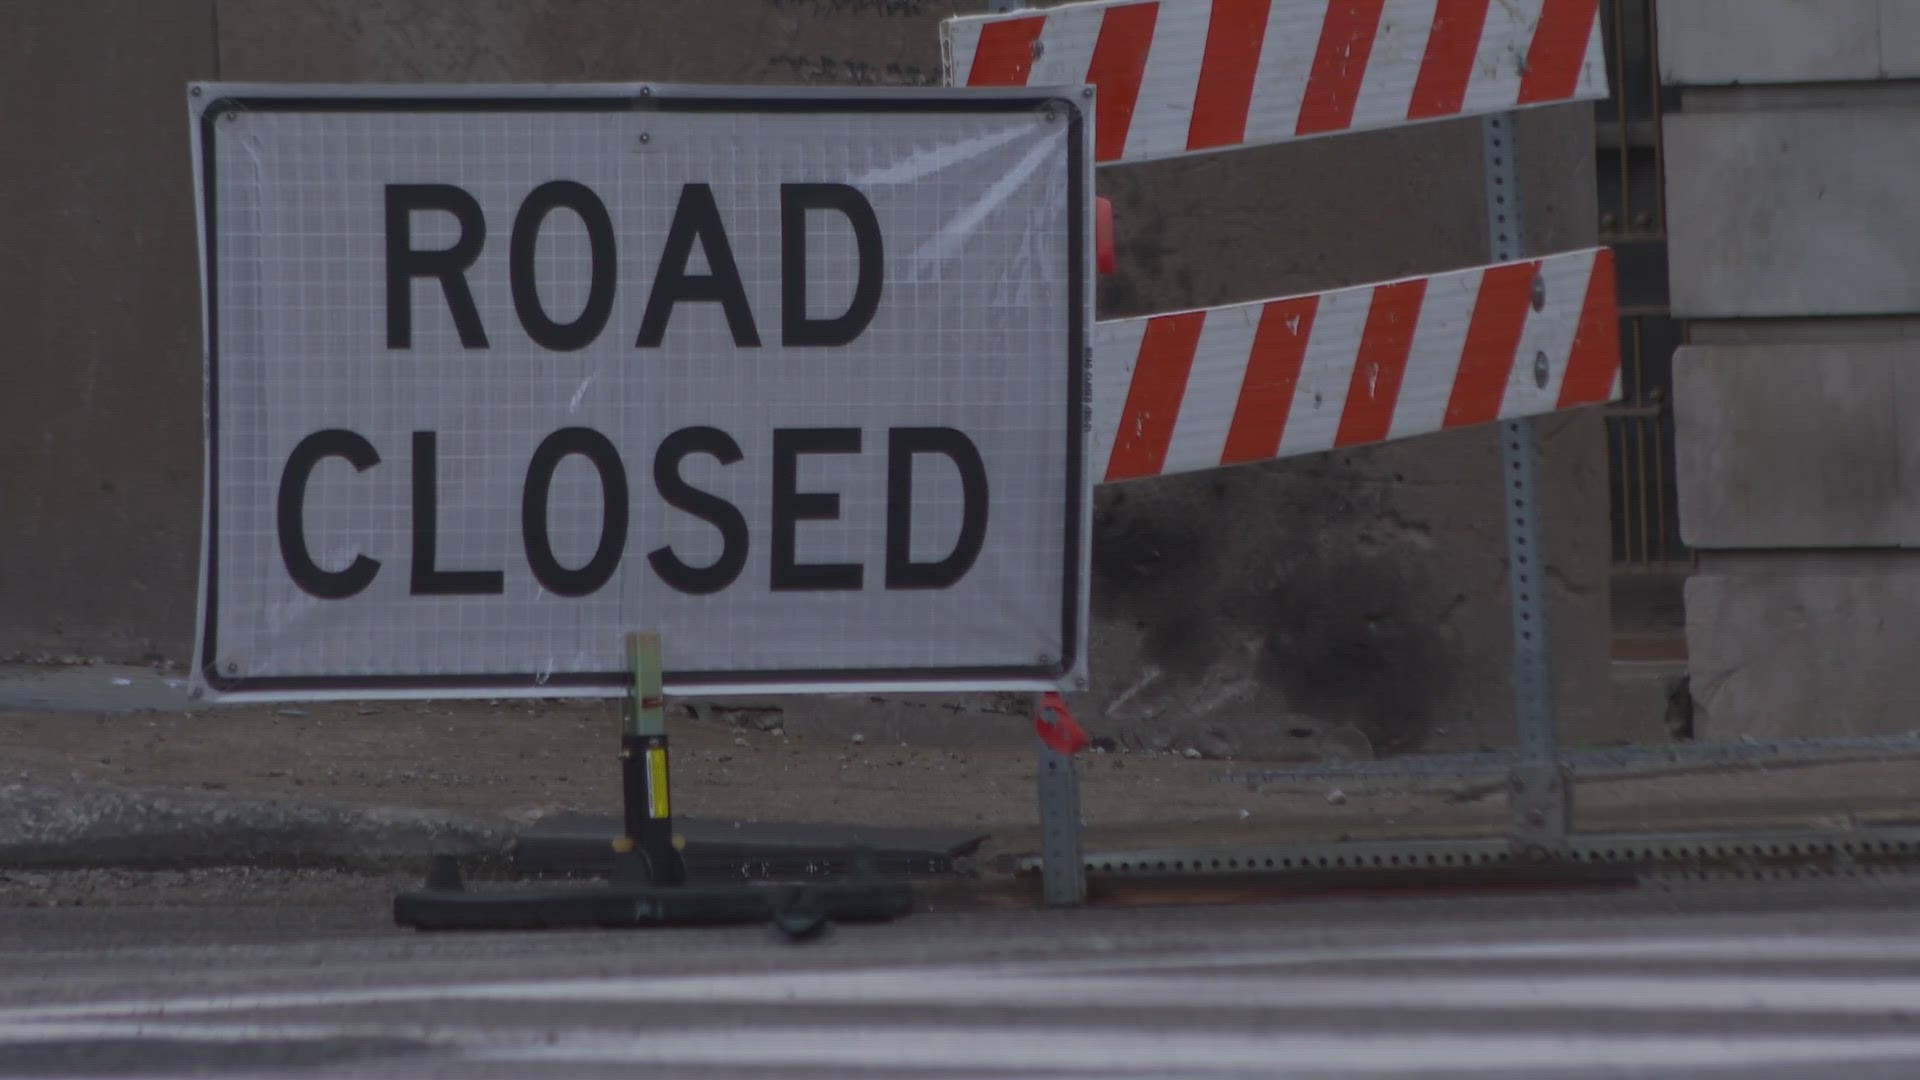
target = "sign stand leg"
x: 1063, y: 870
x: 1539, y: 789
x: 648, y: 853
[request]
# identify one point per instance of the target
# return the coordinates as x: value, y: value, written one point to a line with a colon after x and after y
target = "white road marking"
x: 1062, y: 1048
x: 1531, y: 997
x: 1006, y: 980
x: 1105, y: 1051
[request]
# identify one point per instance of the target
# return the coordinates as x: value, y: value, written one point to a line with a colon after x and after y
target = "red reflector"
x: 1104, y: 258
x: 1057, y: 728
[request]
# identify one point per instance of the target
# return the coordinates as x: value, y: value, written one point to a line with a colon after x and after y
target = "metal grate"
x: 1644, y: 507
x: 1645, y: 515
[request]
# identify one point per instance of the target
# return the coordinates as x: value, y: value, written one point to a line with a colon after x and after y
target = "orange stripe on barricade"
x: 1447, y: 66
x: 1119, y: 61
x: 1005, y: 54
x: 1374, y: 388
x: 1153, y: 399
x: 1594, y: 362
x: 1273, y: 373
x: 1339, y: 65
x: 1559, y: 49
x: 1493, y: 338
x: 1234, y: 36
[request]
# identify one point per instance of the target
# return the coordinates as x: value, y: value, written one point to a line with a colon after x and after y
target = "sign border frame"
x: 209, y: 102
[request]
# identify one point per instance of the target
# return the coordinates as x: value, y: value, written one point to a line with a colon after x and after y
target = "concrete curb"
x: 46, y: 826
x: 91, y: 688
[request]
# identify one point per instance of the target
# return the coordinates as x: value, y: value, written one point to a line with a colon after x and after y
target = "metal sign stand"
x: 1539, y: 791
x: 649, y: 852
x: 649, y: 885
x: 1063, y: 877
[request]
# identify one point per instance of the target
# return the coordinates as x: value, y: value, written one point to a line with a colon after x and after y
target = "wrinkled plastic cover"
x: 982, y: 206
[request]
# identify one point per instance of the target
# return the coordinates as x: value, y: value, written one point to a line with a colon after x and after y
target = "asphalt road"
x: 230, y: 974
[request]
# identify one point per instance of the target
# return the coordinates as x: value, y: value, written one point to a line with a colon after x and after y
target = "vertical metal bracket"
x: 1063, y: 869
x: 645, y: 714
x: 1540, y: 799
x: 647, y: 852
x: 1539, y: 791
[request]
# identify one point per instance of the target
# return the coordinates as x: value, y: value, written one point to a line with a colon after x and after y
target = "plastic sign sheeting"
x: 498, y: 374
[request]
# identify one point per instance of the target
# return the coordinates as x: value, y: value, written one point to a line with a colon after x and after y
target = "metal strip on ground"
x: 1410, y: 860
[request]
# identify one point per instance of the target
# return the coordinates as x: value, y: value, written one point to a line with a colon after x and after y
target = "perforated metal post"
x: 1539, y: 791
x: 1063, y: 873
x: 1063, y: 869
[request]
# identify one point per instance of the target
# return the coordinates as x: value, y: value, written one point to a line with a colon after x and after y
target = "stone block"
x: 1704, y: 42
x: 1899, y: 39
x: 1797, y: 213
x: 1798, y: 445
x: 1805, y: 647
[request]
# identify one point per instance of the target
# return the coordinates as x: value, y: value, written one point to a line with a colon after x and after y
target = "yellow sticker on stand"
x: 657, y: 784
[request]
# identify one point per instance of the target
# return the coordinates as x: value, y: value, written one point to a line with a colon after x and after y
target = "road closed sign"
x: 495, y: 375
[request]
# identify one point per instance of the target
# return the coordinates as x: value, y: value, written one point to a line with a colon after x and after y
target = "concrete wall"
x: 1356, y: 590
x: 1792, y: 238
x: 99, y: 294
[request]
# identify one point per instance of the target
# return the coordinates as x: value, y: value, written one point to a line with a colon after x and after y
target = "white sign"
x: 796, y: 378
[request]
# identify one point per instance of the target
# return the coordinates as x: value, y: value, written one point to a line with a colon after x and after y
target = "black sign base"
x: 798, y: 909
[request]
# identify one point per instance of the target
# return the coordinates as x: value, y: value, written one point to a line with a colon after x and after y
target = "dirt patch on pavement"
x: 525, y: 760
